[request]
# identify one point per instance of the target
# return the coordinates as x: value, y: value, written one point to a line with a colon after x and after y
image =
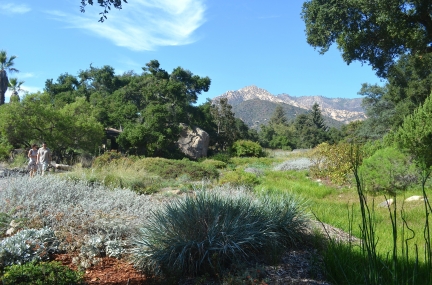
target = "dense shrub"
x: 246, y: 148
x: 389, y: 170
x: 215, y: 163
x: 222, y: 156
x: 204, y: 234
x: 27, y: 245
x: 280, y: 142
x: 5, y: 149
x: 333, y: 162
x: 239, y: 177
x: 170, y: 169
x: 44, y: 273
x: 106, y: 158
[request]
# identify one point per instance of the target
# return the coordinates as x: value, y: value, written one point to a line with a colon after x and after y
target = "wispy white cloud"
x: 11, y: 7
x: 143, y: 24
x: 25, y: 75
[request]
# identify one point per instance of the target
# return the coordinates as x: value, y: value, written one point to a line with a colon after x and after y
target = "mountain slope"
x: 256, y: 112
x: 255, y: 106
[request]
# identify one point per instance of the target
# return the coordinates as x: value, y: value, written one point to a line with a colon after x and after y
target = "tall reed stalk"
x: 394, y: 269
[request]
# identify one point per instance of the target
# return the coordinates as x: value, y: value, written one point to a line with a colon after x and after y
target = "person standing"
x: 44, y: 157
x: 32, y: 164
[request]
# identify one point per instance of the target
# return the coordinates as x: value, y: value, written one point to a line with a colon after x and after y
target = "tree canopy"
x: 105, y: 4
x: 374, y: 32
x: 6, y: 66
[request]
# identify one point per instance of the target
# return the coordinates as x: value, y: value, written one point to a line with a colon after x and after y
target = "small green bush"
x: 247, y: 148
x: 280, y: 142
x: 388, y: 169
x: 5, y: 149
x: 171, y: 169
x: 44, y: 273
x: 106, y: 159
x: 206, y: 233
x: 215, y: 163
x: 239, y: 177
x: 222, y: 156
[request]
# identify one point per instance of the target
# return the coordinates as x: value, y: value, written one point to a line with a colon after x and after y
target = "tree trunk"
x: 3, y: 85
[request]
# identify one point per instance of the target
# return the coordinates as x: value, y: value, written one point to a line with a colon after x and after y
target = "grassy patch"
x: 145, y: 175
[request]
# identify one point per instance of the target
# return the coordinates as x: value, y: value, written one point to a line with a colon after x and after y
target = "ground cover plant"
x: 34, y: 273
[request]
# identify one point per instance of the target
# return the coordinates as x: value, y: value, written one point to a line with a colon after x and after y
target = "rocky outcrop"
x: 193, y: 141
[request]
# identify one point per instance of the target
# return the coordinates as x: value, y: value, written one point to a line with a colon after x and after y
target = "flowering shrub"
x: 333, y: 162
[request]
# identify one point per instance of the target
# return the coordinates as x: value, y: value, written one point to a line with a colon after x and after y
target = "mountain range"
x: 255, y: 106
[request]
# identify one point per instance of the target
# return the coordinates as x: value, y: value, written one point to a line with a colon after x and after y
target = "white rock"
x: 10, y: 231
x: 386, y: 203
x: 414, y: 198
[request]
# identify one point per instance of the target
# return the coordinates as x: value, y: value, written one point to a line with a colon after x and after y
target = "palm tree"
x: 15, y: 87
x: 6, y: 65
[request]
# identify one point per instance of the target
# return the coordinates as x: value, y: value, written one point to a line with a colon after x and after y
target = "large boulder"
x: 193, y: 141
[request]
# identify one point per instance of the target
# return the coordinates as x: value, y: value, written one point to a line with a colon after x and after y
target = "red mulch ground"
x: 109, y: 271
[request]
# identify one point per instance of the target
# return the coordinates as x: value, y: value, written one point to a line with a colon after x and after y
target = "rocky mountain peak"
x: 249, y: 93
x: 341, y: 109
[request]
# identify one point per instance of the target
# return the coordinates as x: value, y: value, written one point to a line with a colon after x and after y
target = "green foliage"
x: 64, y: 128
x: 6, y: 66
x: 388, y: 169
x: 238, y: 178
x: 280, y: 142
x: 332, y: 162
x: 147, y: 175
x: 372, y: 32
x: 44, y: 273
x: 215, y: 163
x: 415, y: 134
x: 168, y: 168
x: 222, y: 156
x: 106, y: 158
x: 5, y: 149
x: 223, y: 117
x: 19, y: 160
x: 247, y: 148
x: 278, y: 117
x: 204, y: 234
x: 310, y: 129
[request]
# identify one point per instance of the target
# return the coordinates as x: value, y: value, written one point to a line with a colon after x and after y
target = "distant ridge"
x: 255, y: 106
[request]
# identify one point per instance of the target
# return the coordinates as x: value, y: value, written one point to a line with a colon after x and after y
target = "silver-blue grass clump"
x: 205, y: 232
x: 28, y: 245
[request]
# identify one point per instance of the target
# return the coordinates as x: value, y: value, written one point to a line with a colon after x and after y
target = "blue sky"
x: 236, y: 43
